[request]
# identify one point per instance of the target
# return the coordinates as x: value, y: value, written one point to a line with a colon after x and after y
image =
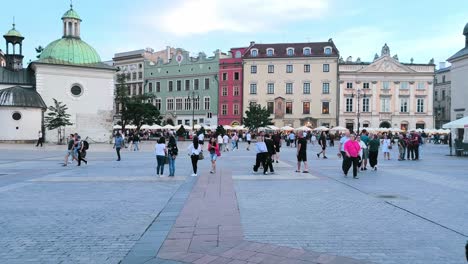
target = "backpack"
x: 85, y: 145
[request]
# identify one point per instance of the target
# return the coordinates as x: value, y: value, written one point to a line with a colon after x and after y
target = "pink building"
x: 230, y: 110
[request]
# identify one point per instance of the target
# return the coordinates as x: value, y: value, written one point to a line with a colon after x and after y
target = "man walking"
x: 271, y: 152
x: 301, y: 153
x: 342, y: 152
x: 40, y: 139
x: 262, y: 154
x: 226, y: 142
x: 71, y: 143
x: 248, y: 137
x: 118, y: 144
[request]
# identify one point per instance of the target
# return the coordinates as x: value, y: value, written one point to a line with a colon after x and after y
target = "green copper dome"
x: 71, y: 14
x: 465, y: 30
x: 69, y: 51
x: 13, y: 33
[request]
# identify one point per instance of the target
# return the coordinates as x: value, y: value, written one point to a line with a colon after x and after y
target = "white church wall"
x: 91, y: 111
x: 26, y: 128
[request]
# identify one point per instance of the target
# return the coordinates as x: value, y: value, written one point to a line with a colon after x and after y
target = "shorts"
x: 213, y: 156
x: 70, y: 152
x: 323, y: 148
x: 248, y: 141
x: 277, y: 148
x: 302, y: 157
x: 365, y: 154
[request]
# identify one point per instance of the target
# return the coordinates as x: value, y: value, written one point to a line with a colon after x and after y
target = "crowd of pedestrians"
x: 76, y: 150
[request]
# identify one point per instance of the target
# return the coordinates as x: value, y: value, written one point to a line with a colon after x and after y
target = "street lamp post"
x: 358, y: 96
x: 194, y: 96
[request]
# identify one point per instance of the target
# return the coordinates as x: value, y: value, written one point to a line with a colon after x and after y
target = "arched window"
x: 270, y: 52
x: 254, y: 53
x: 237, y: 54
x: 328, y: 51
x: 306, y: 51
x: 290, y: 52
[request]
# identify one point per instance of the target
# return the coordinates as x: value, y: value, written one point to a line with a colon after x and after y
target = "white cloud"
x: 203, y: 16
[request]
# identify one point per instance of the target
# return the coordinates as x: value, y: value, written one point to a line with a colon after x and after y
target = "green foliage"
x: 220, y: 130
x: 181, y: 131
x: 257, y: 116
x: 57, y: 117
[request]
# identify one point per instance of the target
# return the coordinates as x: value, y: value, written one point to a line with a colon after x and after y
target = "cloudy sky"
x: 413, y: 29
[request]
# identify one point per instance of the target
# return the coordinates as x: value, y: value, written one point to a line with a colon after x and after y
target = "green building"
x: 186, y: 88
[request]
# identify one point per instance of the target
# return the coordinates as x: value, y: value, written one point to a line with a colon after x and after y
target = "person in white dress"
x: 386, y: 146
x: 226, y: 142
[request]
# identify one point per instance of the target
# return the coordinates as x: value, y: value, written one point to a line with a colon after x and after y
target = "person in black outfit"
x: 81, y: 152
x: 262, y: 154
x: 271, y: 152
x: 277, y: 140
x: 301, y: 152
x: 40, y: 139
x: 323, y: 144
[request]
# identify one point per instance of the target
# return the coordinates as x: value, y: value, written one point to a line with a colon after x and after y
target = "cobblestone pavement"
x: 406, y: 212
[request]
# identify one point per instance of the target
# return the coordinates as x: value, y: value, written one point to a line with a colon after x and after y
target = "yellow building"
x: 297, y: 82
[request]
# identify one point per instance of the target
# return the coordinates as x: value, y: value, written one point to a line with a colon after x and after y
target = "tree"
x: 121, y: 97
x: 257, y: 116
x: 57, y: 118
x: 220, y: 130
x: 138, y: 112
x: 181, y: 131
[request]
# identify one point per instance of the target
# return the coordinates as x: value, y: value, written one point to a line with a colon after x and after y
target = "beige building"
x: 442, y: 95
x: 297, y: 82
x: 386, y: 93
x: 459, y: 85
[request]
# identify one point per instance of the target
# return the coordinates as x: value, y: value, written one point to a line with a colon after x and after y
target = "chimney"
x: 252, y: 43
x: 168, y: 53
x: 441, y: 65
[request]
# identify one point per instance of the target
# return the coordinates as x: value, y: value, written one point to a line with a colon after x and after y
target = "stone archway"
x: 385, y: 124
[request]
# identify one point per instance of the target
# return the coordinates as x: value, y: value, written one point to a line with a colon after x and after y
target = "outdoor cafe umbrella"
x: 339, y: 129
x: 117, y: 127
x: 167, y: 127
x: 303, y: 128
x: 321, y: 128
x: 155, y: 126
x: 287, y: 128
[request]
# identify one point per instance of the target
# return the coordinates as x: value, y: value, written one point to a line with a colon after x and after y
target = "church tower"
x: 71, y: 24
x: 14, y: 60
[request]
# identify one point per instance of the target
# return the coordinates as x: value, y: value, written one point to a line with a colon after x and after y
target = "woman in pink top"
x: 352, y: 148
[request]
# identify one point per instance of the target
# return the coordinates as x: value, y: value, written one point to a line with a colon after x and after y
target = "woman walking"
x: 161, y: 151
x: 363, y: 153
x: 194, y: 151
x: 386, y: 146
x: 352, y: 148
x: 172, y: 152
x: 323, y: 144
x: 374, y: 144
x: 213, y: 149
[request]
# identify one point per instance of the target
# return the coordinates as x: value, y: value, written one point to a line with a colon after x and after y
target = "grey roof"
x: 446, y: 69
x: 130, y: 53
x: 21, y: 77
x: 19, y: 96
x: 461, y: 53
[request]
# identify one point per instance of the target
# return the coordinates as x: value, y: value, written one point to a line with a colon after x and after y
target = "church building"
x: 68, y: 70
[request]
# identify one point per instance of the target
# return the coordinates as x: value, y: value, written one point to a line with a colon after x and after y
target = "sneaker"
x: 346, y: 175
x: 318, y: 155
x: 277, y: 161
x: 305, y: 172
x: 265, y: 173
x: 64, y: 165
x: 325, y: 157
x: 362, y: 169
x: 194, y: 175
x: 365, y: 168
x: 375, y: 168
x: 211, y: 172
x: 356, y: 177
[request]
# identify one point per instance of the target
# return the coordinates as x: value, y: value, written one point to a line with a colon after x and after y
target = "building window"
x: 404, y: 105
x: 306, y: 51
x: 236, y: 91
x: 365, y: 85
x: 254, y: 53
x: 196, y: 84
x: 127, y: 76
x: 271, y: 68
x: 328, y: 51
x: 140, y: 89
x: 187, y: 85
x: 270, y: 107
x: 270, y: 88
x: 325, y: 88
x: 404, y: 85
x: 443, y: 78
x: 157, y: 103
x: 420, y: 105
x: 289, y: 108
x: 236, y: 76
x: 253, y: 88
x: 170, y: 104
x: 385, y: 105
x: 134, y: 75
x: 150, y: 87
x: 290, y: 52
x: 207, y: 83
x: 170, y: 88
x: 436, y: 95
x: 196, y: 103
x: 178, y: 103
x: 306, y: 67
x: 134, y: 91
x: 207, y: 103
x: 289, y: 88
x: 421, y: 85
x: 349, y: 85
x: 140, y: 75
x: 305, y: 108
x: 269, y: 52
x: 326, y: 67
x: 76, y: 90
x: 225, y: 76
x: 349, y: 104
x: 386, y: 85
x: 443, y: 94
x: 235, y: 110
x: 253, y: 69
x: 238, y: 54
x: 224, y: 109
x: 289, y: 68
x: 224, y: 91
x: 16, y: 116
x: 188, y: 106
x: 179, y: 85
x: 306, y: 88
x: 129, y: 91
x: 365, y: 104
x: 158, y: 87
x: 325, y: 108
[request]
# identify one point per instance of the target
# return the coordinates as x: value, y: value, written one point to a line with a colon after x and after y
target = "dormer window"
x: 328, y: 51
x: 270, y: 52
x: 306, y: 51
x: 254, y: 53
x: 290, y: 51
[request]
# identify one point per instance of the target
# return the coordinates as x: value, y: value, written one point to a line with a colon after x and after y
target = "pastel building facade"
x: 391, y: 94
x: 296, y: 82
x: 231, y: 88
x: 442, y: 96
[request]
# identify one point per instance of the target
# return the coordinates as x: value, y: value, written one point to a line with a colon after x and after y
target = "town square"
x: 188, y: 135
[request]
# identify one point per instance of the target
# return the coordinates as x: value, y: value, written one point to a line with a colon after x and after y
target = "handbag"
x: 201, y: 156
x: 389, y: 146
